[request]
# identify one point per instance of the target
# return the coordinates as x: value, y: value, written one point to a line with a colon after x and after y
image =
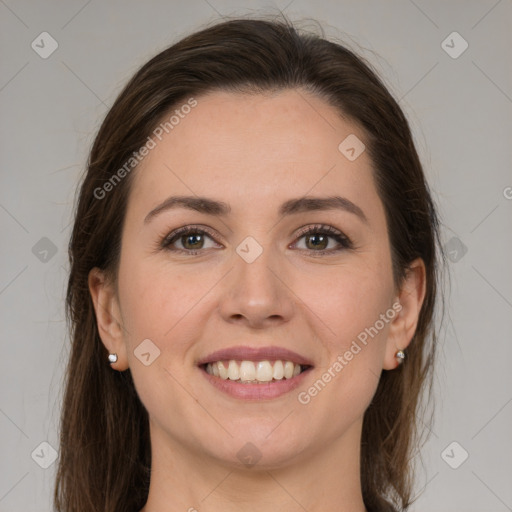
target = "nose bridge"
x: 256, y: 291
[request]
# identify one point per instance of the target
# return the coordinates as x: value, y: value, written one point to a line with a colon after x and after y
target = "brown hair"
x: 105, y: 454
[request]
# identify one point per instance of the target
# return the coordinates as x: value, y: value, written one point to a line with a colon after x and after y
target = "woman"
x: 252, y: 287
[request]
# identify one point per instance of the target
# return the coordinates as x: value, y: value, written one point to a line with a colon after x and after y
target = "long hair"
x: 105, y: 455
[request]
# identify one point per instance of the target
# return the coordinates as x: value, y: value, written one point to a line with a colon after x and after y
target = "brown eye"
x: 194, y: 241
x: 323, y: 240
x: 317, y: 241
x: 189, y: 240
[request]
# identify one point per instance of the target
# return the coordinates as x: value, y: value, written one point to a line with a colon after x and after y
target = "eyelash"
x: 318, y: 229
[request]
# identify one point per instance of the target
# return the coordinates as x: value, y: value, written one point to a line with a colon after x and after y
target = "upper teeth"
x: 250, y: 371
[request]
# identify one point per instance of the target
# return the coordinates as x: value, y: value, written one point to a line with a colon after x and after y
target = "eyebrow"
x: 290, y: 207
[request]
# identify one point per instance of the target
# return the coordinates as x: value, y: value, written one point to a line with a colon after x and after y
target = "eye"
x: 191, y: 238
x: 318, y: 239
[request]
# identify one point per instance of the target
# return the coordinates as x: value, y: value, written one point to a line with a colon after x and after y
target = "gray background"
x: 460, y: 110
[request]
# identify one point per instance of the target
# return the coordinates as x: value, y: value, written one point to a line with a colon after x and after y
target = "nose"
x: 256, y: 294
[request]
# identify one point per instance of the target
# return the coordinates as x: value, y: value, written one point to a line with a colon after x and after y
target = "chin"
x: 258, y: 447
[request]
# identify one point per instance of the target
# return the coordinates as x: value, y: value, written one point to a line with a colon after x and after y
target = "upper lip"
x: 246, y: 353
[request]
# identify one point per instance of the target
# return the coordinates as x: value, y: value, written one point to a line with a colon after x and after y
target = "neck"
x: 183, y: 480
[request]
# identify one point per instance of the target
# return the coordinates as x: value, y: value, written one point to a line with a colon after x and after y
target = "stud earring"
x: 112, y: 358
x: 400, y: 356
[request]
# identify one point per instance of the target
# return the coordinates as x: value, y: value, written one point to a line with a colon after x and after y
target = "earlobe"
x: 403, y: 327
x: 108, y: 320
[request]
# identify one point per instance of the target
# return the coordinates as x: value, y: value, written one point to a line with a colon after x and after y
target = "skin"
x: 254, y: 152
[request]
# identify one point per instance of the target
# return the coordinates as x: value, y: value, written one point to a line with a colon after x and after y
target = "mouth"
x: 254, y: 372
x: 249, y: 373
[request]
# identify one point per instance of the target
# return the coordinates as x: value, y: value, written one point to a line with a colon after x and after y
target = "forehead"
x: 255, y: 147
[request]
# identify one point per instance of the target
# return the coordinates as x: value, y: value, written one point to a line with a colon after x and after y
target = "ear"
x: 108, y: 318
x: 408, y: 306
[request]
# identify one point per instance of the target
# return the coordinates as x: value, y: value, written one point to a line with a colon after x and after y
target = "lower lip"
x: 263, y: 391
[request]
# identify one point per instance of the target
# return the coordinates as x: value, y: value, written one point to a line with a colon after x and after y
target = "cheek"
x: 355, y: 305
x: 352, y: 299
x: 348, y: 377
x: 157, y: 300
x: 163, y: 306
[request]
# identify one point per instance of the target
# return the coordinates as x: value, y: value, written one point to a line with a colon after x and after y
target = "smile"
x: 251, y: 373
x: 254, y: 372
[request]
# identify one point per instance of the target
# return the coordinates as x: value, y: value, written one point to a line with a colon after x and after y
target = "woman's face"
x: 247, y: 285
